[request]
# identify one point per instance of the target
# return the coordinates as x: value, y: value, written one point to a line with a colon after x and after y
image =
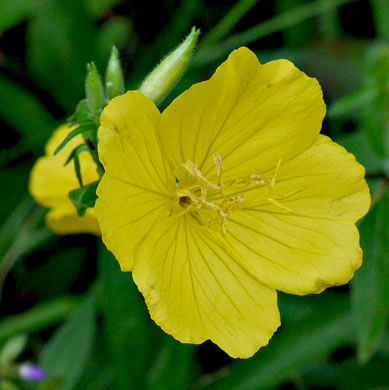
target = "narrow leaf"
x: 172, y: 357
x: 128, y: 331
x: 39, y: 317
x: 59, y: 40
x: 380, y: 13
x: 352, y: 102
x: 228, y: 22
x: 370, y: 287
x: 275, y: 24
x: 13, y: 12
x: 68, y: 350
x: 293, y: 349
x: 24, y: 111
x: 12, y: 349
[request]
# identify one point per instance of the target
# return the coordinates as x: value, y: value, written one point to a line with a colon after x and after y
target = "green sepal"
x: 80, y: 130
x: 74, y: 156
x: 84, y: 197
x: 83, y: 112
x: 85, y: 117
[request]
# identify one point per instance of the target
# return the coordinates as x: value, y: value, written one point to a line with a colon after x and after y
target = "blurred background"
x: 66, y: 307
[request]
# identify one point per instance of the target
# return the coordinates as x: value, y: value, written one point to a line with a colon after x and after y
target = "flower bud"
x: 114, y: 81
x: 164, y: 77
x: 94, y: 89
x: 31, y: 372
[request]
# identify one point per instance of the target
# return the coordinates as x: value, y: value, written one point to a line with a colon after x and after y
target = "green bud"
x: 94, y: 89
x: 114, y: 81
x: 165, y: 76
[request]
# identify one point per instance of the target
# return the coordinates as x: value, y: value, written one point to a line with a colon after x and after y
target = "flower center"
x: 196, y: 197
x: 185, y: 201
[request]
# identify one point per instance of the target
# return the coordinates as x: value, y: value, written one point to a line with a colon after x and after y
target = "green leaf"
x: 68, y: 351
x: 6, y: 385
x: 128, y: 331
x: 370, y: 286
x: 44, y: 281
x: 39, y: 317
x: 23, y: 111
x: 84, y: 197
x: 380, y: 13
x: 295, y: 36
x: 12, y: 349
x: 98, y: 7
x: 11, y: 226
x: 358, y: 144
x: 348, y: 375
x: 116, y: 31
x: 59, y: 45
x: 181, y: 20
x: 20, y: 238
x: 352, y: 102
x: 172, y: 366
x: 330, y: 26
x: 275, y: 24
x: 98, y: 374
x: 228, y: 22
x: 292, y: 349
x: 13, y: 12
x: 375, y: 116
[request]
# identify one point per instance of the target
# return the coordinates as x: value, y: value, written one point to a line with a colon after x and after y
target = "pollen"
x: 210, y: 196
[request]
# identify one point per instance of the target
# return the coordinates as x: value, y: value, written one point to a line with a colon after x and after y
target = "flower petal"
x: 248, y: 113
x: 65, y: 220
x: 51, y: 182
x: 195, y: 290
x: 136, y: 187
x: 128, y: 144
x: 317, y: 245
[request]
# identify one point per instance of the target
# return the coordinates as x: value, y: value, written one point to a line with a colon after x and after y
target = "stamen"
x: 219, y: 168
x: 253, y: 179
x: 273, y: 180
x: 195, y: 197
x: 271, y: 198
x: 191, y: 167
x: 276, y: 203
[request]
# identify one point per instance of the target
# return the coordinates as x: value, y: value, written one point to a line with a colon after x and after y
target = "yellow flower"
x: 227, y: 196
x: 51, y: 182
